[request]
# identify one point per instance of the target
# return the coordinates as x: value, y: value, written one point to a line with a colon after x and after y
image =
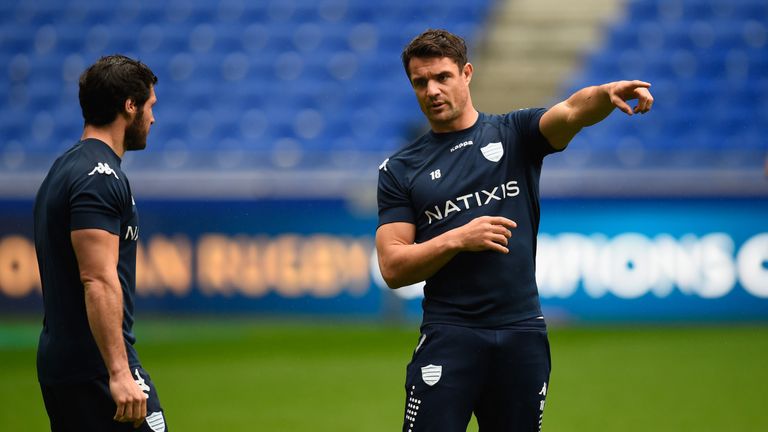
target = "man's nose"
x: 432, y: 88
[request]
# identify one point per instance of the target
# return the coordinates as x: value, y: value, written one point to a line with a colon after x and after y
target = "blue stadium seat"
x: 708, y: 62
x: 304, y: 70
x: 241, y: 76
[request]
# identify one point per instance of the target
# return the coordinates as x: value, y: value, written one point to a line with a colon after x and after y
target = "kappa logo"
x: 141, y: 383
x: 431, y: 374
x: 461, y: 145
x: 421, y: 342
x: 493, y: 151
x: 383, y: 165
x: 103, y: 168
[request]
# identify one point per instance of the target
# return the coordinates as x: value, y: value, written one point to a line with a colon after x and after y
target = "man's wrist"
x: 453, y: 241
x: 119, y: 370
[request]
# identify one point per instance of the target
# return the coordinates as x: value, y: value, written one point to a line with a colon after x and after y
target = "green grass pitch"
x: 272, y: 375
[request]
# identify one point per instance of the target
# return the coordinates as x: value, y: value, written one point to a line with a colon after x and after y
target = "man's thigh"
x: 515, y: 394
x: 88, y: 406
x: 443, y: 379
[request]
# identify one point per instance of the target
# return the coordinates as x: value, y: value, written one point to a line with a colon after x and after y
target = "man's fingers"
x: 128, y: 413
x: 492, y: 233
x: 640, y: 108
x: 620, y: 104
x: 500, y: 239
x: 119, y: 412
x: 499, y: 220
x: 500, y: 229
x: 139, y: 410
x: 638, y: 83
x: 626, y: 86
x: 134, y: 411
x: 142, y: 412
x: 645, y: 98
x: 626, y: 90
x: 130, y: 400
x: 496, y: 247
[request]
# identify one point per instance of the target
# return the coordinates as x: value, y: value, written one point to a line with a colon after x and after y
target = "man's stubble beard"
x: 135, y: 135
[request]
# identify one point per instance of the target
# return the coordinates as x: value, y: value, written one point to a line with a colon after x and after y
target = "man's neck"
x: 466, y: 121
x: 112, y: 135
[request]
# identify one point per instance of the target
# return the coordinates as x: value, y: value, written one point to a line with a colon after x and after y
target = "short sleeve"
x: 393, y: 199
x: 526, y: 121
x: 96, y: 201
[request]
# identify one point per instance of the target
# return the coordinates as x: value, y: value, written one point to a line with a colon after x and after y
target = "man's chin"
x: 438, y: 111
x: 136, y: 146
x: 441, y: 117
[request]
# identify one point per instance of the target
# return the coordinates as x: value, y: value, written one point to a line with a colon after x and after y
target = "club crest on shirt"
x: 493, y: 151
x: 431, y: 374
x: 156, y: 422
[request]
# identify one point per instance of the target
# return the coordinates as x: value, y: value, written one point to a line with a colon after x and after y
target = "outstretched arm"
x: 403, y: 262
x: 591, y: 105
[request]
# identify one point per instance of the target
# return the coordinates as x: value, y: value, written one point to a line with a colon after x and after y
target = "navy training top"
x: 84, y: 188
x: 444, y: 180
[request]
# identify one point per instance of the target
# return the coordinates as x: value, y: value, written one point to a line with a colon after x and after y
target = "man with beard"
x: 86, y: 233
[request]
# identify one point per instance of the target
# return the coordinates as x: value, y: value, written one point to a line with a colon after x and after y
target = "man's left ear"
x: 130, y: 106
x: 468, y: 70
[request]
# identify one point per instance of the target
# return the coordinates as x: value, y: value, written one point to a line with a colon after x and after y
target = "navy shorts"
x: 501, y: 375
x: 88, y: 406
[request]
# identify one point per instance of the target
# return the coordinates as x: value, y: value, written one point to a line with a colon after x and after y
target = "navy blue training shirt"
x: 84, y: 188
x: 443, y: 181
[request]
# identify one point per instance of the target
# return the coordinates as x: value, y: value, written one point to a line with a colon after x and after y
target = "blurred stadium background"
x: 260, y: 305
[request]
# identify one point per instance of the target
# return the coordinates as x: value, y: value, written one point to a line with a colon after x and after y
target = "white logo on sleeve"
x: 431, y: 374
x: 383, y: 165
x: 493, y: 151
x: 132, y: 233
x: 103, y: 168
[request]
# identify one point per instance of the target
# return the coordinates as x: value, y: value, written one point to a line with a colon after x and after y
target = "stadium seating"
x: 708, y: 63
x: 303, y: 83
x: 281, y: 83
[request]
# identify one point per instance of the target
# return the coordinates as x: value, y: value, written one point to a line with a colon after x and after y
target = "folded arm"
x: 403, y: 262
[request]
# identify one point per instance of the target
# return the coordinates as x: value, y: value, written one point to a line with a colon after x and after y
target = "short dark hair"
x: 436, y: 43
x: 108, y: 83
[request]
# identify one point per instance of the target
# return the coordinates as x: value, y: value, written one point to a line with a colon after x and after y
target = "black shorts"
x: 501, y: 375
x: 88, y: 406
